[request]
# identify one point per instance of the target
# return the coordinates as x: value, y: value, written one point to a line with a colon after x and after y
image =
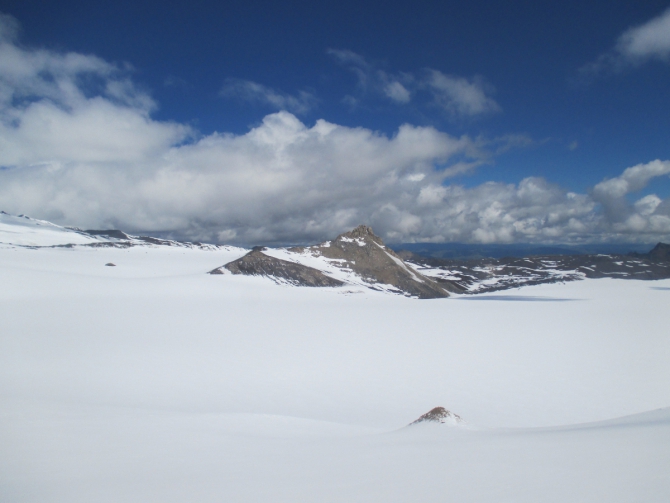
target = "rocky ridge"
x: 364, y: 253
x: 257, y: 263
x: 489, y: 275
x: 25, y: 232
x: 358, y: 257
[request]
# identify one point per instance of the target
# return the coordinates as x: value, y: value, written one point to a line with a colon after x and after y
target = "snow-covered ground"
x: 154, y: 381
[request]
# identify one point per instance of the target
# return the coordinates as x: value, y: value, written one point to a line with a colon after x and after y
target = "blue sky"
x: 566, y: 94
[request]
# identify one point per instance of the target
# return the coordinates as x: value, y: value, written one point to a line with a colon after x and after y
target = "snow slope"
x: 102, y: 454
x: 26, y: 231
x: 154, y: 381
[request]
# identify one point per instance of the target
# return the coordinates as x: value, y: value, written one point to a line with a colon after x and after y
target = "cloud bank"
x: 78, y: 146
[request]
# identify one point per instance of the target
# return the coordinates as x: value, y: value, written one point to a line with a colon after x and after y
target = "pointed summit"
x: 357, y: 257
x: 361, y: 232
x: 363, y: 252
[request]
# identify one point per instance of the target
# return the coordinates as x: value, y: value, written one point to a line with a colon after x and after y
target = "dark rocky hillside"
x: 257, y: 263
x: 487, y: 275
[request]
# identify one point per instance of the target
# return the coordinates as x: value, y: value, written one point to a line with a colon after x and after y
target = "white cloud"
x: 397, y: 92
x: 650, y: 40
x: 9, y: 28
x: 78, y: 146
x: 63, y: 108
x: 255, y: 92
x: 635, y: 46
x: 611, y: 194
x: 631, y: 180
x: 457, y: 96
x: 356, y: 63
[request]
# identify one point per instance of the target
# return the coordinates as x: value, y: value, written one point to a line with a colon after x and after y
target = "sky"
x: 268, y: 122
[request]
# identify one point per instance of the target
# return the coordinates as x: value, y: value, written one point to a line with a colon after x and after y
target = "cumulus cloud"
x: 64, y: 108
x: 78, y: 146
x: 646, y: 215
x: 258, y: 93
x: 635, y: 46
x: 457, y: 96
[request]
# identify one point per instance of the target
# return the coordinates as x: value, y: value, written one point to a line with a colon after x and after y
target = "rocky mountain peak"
x: 660, y: 252
x: 360, y: 232
x: 357, y: 257
x: 363, y: 252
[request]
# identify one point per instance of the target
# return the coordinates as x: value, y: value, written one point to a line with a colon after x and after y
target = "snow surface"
x: 154, y: 381
x: 26, y: 231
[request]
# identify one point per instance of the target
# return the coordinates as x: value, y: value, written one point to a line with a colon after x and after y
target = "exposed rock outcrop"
x: 358, y: 257
x: 440, y: 415
x: 489, y: 274
x: 660, y: 252
x: 363, y: 252
x: 257, y: 263
x: 108, y: 233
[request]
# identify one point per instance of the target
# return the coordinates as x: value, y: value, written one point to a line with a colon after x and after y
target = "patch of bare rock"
x: 363, y: 252
x: 257, y: 263
x: 440, y: 415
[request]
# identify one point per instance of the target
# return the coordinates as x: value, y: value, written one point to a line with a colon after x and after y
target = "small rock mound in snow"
x: 440, y: 415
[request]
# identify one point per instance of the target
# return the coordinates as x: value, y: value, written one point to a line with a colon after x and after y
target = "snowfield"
x: 154, y: 381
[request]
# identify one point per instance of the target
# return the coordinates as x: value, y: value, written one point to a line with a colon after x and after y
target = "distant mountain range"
x: 490, y: 274
x: 359, y: 258
x: 468, y: 251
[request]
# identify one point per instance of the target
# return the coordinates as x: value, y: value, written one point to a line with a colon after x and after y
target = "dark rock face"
x: 439, y: 415
x: 257, y: 263
x: 660, y: 252
x: 361, y: 251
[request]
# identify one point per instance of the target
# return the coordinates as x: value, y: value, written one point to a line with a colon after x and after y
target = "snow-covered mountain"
x: 29, y: 232
x: 355, y: 258
x: 26, y: 232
